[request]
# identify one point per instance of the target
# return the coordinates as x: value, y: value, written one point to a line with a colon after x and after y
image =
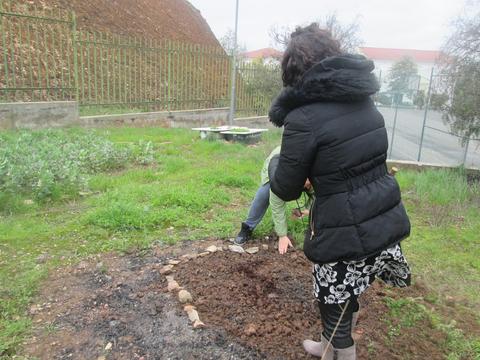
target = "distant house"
x: 384, y: 58
x: 267, y: 55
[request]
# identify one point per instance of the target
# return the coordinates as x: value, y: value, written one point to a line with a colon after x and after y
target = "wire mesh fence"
x: 418, y: 128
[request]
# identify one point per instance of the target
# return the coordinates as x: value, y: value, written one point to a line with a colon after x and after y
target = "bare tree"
x: 461, y: 70
x: 228, y: 43
x: 346, y: 34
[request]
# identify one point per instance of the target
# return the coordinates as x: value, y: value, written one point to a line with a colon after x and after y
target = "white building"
x: 267, y: 55
x: 384, y: 58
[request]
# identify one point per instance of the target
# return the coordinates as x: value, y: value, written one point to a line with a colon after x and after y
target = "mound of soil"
x: 266, y: 302
x: 255, y: 307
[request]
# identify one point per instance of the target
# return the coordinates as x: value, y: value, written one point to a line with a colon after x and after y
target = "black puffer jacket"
x: 335, y: 136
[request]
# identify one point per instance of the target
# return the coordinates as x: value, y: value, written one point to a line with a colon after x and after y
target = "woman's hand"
x: 283, y: 244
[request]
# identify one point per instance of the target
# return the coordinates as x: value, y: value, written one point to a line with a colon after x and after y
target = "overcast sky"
x: 414, y: 24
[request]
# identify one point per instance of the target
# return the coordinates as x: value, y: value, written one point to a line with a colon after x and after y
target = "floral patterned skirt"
x: 335, y: 283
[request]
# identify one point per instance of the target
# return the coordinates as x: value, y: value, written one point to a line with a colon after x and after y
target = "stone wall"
x: 168, y: 119
x: 38, y: 115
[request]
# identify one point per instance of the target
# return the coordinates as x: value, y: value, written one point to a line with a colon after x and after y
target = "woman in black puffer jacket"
x: 335, y: 136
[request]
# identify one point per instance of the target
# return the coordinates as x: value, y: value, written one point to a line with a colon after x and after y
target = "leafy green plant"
x: 52, y: 164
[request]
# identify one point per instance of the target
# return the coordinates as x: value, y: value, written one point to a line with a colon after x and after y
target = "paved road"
x: 438, y: 147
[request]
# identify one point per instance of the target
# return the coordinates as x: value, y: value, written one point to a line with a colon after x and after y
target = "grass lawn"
x: 193, y: 189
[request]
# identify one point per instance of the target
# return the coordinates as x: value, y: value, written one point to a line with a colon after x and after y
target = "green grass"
x: 193, y: 189
x: 445, y: 214
x: 409, y: 312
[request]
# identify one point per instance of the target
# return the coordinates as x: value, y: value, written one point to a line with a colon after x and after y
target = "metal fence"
x: 37, y: 54
x: 417, y: 126
x: 257, y: 85
x: 45, y: 57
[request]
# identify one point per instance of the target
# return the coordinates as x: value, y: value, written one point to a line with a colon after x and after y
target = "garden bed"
x: 254, y: 307
x: 141, y: 187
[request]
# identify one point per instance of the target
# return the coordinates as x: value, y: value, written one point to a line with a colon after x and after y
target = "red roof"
x: 263, y: 54
x: 397, y: 54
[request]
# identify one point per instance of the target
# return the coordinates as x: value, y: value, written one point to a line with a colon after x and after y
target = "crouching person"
x: 265, y: 198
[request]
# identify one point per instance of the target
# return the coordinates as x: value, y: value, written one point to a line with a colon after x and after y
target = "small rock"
x: 236, y: 248
x: 99, y: 266
x: 250, y: 330
x: 167, y: 269
x: 173, y: 262
x: 109, y: 346
x: 206, y: 253
x: 252, y: 250
x: 450, y: 301
x: 173, y: 286
x: 193, y: 315
x: 189, y: 256
x: 212, y: 249
x: 82, y: 265
x: 198, y: 324
x: 265, y: 247
x: 114, y: 323
x: 42, y: 258
x: 267, y: 238
x: 188, y: 308
x: 184, y: 296
x: 169, y: 278
x: 272, y: 296
x: 34, y: 309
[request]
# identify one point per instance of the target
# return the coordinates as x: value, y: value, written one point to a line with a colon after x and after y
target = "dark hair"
x: 308, y: 46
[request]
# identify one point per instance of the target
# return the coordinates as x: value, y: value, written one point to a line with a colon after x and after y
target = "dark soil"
x: 266, y: 301
x: 255, y: 307
x: 122, y: 301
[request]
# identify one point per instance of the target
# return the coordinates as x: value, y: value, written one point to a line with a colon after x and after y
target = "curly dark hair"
x: 307, y: 46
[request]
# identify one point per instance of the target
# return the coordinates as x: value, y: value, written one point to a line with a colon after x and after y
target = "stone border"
x: 185, y: 297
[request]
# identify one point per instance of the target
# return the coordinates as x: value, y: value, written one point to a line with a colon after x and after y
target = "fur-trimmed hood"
x: 346, y: 78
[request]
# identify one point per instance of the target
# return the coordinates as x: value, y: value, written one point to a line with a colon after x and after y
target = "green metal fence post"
x: 4, y: 43
x: 75, y: 56
x: 169, y: 76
